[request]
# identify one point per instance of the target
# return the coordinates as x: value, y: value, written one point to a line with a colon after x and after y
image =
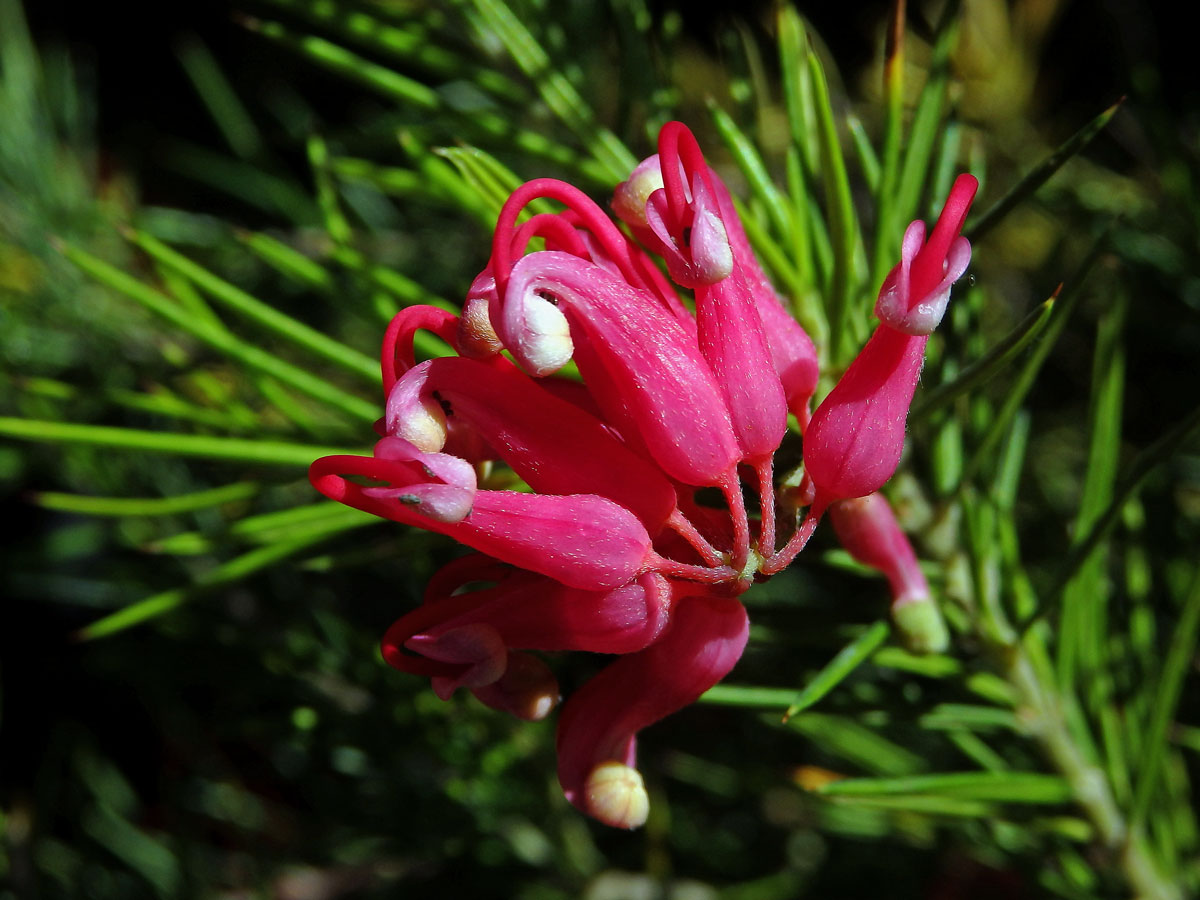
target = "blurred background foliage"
x: 164, y: 195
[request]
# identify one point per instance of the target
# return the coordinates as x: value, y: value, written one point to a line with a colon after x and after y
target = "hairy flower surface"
x: 611, y: 550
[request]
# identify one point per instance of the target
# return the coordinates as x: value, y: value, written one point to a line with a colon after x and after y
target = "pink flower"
x: 609, y: 550
x: 854, y: 441
x: 867, y: 528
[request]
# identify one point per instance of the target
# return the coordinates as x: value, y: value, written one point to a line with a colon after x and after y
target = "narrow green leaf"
x: 772, y: 255
x: 840, y: 667
x: 752, y: 167
x: 860, y: 745
x: 254, y: 357
x: 261, y: 313
x: 351, y: 65
x: 266, y: 528
x: 234, y: 570
x: 843, y: 225
x: 930, y: 665
x: 974, y: 747
x: 995, y: 787
x: 232, y: 120
x: 1083, y: 647
x: 1166, y: 701
x: 1040, y: 174
x: 222, y: 448
x: 242, y: 181
x: 146, y: 506
x: 885, y: 241
x: 557, y: 93
x: 968, y: 717
x: 987, y: 367
x: 1068, y: 299
x: 287, y: 260
x: 920, y: 804
x: 1136, y: 473
x: 391, y: 180
x: 867, y: 160
x: 411, y: 42
x: 336, y: 224
x: 922, y: 136
x: 749, y: 696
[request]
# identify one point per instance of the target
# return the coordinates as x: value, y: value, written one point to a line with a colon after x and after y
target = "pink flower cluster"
x: 610, y: 550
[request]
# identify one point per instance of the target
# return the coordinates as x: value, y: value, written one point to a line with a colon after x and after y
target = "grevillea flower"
x: 853, y: 443
x: 608, y: 550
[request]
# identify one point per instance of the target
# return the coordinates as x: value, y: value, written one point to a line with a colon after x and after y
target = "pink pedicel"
x: 609, y: 550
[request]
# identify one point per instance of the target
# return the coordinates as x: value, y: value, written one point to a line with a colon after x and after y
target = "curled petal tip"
x: 527, y: 689
x: 616, y: 795
x: 712, y: 255
x: 477, y: 647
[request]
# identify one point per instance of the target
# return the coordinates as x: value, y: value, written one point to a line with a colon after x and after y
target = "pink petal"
x: 853, y: 443
x: 655, y: 374
x: 555, y: 446
x: 600, y: 722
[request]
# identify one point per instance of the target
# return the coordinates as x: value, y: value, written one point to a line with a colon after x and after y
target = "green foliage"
x: 223, y: 723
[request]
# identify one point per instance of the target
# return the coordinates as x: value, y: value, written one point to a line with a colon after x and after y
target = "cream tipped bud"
x: 476, y: 337
x: 545, y: 338
x: 616, y: 795
x: 629, y: 199
x: 920, y: 625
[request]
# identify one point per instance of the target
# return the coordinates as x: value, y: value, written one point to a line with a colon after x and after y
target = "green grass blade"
x: 555, y: 90
x: 858, y: 744
x: 257, y: 311
x: 228, y: 113
x: 923, y: 134
x: 203, y: 446
x: 351, y: 66
x: 158, y: 402
x: 411, y: 42
x: 987, y: 367
x: 244, y: 182
x: 970, y: 717
x: 287, y: 260
x: 840, y: 667
x: 231, y: 572
x: 885, y: 242
x: 1135, y: 474
x: 1166, y: 694
x: 993, y: 787
x: 1040, y: 174
x: 1083, y: 646
x: 260, y: 360
x: 390, y: 180
x: 868, y: 161
x: 336, y: 223
x: 748, y: 696
x: 752, y: 167
x: 266, y: 528
x: 1069, y: 298
x: 146, y: 506
x: 843, y: 224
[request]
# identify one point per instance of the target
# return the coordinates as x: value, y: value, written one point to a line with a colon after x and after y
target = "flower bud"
x: 616, y: 795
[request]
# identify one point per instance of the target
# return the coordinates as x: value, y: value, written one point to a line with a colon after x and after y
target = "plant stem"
x: 1045, y: 708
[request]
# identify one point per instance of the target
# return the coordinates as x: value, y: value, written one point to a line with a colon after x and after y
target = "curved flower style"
x: 609, y: 550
